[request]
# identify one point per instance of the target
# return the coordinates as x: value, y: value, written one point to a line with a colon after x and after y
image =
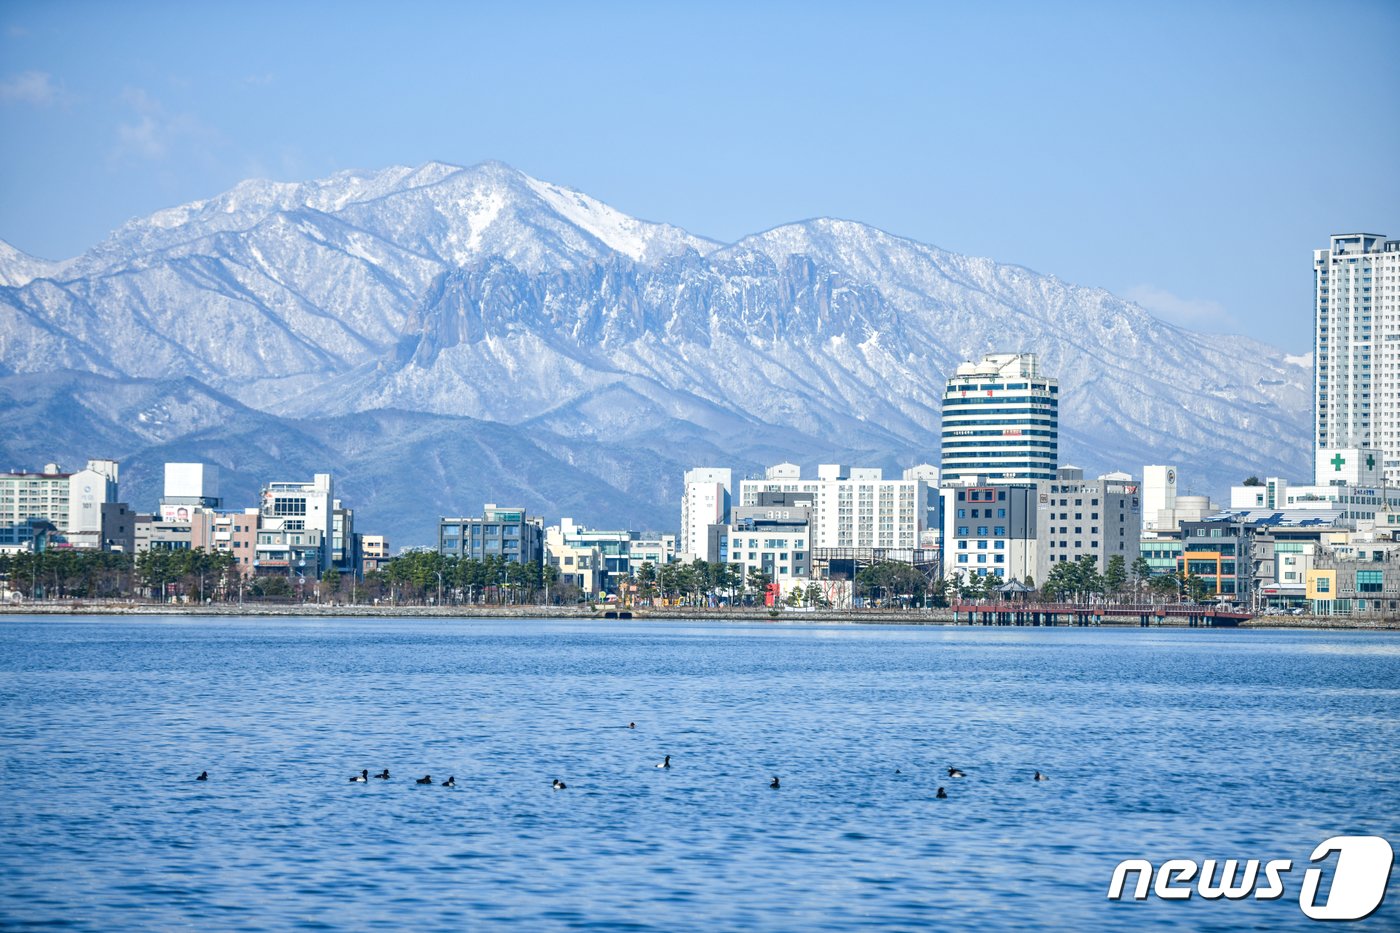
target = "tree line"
x: 427, y: 576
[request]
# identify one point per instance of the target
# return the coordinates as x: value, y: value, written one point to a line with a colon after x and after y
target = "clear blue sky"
x: 1188, y: 154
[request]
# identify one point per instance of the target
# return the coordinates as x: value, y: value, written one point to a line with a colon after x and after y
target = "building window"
x: 288, y: 505
x: 1369, y: 581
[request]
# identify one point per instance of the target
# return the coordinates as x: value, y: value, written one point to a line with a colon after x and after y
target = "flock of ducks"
x: 364, y: 776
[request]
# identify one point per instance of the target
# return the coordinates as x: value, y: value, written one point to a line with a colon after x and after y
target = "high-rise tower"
x: 1001, y: 420
x: 1356, y: 386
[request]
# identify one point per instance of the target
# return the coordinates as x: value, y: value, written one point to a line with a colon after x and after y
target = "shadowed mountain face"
x: 439, y: 337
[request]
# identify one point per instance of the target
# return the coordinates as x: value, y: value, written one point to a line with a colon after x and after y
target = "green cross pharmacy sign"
x: 1338, y: 461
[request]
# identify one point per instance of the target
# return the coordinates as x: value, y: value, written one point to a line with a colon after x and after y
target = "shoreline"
x: 654, y: 614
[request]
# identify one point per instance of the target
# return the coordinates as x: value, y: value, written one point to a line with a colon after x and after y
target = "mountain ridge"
x: 481, y: 293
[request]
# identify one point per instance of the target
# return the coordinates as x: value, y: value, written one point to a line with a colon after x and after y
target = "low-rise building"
x: 295, y: 518
x: 1099, y: 517
x: 1361, y: 577
x: 774, y: 540
x: 374, y: 552
x: 231, y: 531
x: 650, y: 548
x: 507, y: 533
x: 580, y: 564
x: 189, y: 486
x: 990, y: 530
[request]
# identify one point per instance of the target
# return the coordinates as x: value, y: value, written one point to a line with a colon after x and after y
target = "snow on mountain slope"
x: 483, y: 293
x: 18, y: 268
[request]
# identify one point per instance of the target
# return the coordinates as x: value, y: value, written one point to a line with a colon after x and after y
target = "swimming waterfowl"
x: 666, y: 763
x: 631, y: 725
x: 203, y: 776
x: 1039, y: 777
x: 942, y: 794
x: 775, y: 785
x: 425, y: 779
x: 383, y: 775
x: 450, y: 782
x: 954, y: 772
x: 360, y: 778
x: 559, y: 785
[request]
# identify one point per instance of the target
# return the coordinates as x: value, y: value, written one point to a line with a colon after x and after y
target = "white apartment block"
x: 1001, y: 421
x: 854, y: 507
x: 71, y: 502
x: 704, y: 502
x: 1356, y: 286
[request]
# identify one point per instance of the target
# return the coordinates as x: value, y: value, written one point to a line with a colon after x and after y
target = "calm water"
x: 1159, y: 744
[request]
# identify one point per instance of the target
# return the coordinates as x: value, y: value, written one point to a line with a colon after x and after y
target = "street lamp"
x: 439, y: 576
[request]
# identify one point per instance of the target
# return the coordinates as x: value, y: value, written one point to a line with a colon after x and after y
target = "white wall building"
x: 71, y: 502
x: 1348, y: 480
x: 1356, y: 290
x: 704, y: 502
x: 88, y: 490
x: 189, y: 486
x: 1158, y: 493
x: 296, y: 518
x: 776, y: 541
x: 855, y: 507
x: 648, y: 548
x: 1001, y: 421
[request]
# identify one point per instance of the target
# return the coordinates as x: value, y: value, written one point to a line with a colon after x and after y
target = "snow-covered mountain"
x: 608, y: 353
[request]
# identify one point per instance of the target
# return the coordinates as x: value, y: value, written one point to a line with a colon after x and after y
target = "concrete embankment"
x: 675, y: 613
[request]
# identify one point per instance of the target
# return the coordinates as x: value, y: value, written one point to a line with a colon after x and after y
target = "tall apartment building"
x: 1001, y: 421
x: 1356, y: 289
x: 72, y: 503
x: 854, y: 507
x: 704, y: 502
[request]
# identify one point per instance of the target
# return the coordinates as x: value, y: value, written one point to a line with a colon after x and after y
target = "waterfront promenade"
x: 962, y: 614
